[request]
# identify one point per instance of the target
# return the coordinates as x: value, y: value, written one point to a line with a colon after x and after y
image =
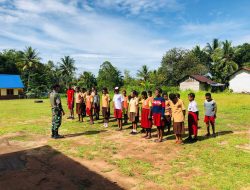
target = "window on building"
x: 10, y: 92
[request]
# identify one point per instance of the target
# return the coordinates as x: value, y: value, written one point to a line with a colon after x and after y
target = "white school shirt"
x: 210, y: 107
x: 118, y: 99
x: 192, y: 106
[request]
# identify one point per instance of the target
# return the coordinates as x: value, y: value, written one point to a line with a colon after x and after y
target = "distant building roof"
x: 242, y: 68
x: 199, y: 78
x: 10, y: 81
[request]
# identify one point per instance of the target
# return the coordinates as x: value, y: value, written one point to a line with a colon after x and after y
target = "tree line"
x: 216, y: 60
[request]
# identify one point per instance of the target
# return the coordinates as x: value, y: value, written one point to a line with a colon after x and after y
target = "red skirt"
x: 118, y: 113
x: 145, y: 122
x: 157, y: 120
x: 89, y: 111
x: 192, y: 123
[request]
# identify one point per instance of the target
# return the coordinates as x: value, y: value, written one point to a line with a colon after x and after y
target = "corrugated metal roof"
x: 201, y: 78
x: 10, y: 81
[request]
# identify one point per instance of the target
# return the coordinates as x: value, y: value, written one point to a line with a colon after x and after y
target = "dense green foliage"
x: 217, y: 59
x: 109, y: 76
x: 87, y: 80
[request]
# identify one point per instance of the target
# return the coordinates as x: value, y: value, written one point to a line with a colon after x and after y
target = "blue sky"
x: 129, y: 33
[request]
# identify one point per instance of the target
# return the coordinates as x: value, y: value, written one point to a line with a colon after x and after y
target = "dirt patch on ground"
x: 46, y: 168
x: 244, y: 147
x: 28, y: 161
x: 242, y: 132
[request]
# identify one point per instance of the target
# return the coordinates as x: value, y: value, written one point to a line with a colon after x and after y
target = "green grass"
x: 214, y: 163
x: 131, y: 166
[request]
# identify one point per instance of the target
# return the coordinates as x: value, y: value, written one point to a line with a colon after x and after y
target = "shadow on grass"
x: 46, y: 168
x: 84, y: 133
x: 202, y: 138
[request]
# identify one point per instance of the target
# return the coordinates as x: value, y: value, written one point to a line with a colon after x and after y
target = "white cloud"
x: 236, y: 31
x: 136, y: 7
x: 208, y: 29
x: 89, y: 37
x: 57, y: 28
x: 43, y: 6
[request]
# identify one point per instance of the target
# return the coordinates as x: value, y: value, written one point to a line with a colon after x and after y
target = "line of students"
x: 162, y: 111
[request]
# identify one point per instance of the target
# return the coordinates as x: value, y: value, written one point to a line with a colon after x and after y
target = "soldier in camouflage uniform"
x: 57, y: 111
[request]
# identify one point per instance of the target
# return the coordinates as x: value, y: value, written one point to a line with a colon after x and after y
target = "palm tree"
x: 210, y: 48
x: 228, y: 50
x: 67, y: 69
x: 223, y: 61
x: 143, y: 73
x: 203, y: 57
x: 29, y: 60
x: 197, y: 50
x: 87, y: 79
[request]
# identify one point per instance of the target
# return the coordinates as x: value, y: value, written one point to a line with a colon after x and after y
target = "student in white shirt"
x: 210, y: 113
x: 118, y: 106
x: 193, y: 117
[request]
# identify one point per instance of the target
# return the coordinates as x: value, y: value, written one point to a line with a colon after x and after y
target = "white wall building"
x: 195, y: 83
x: 239, y: 81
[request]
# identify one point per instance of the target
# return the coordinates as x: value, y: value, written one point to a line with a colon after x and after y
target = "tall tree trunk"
x: 28, y: 85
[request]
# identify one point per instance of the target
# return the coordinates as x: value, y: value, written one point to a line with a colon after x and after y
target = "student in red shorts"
x: 70, y: 101
x: 146, y: 119
x: 118, y: 106
x: 210, y: 113
x: 193, y: 117
x: 158, y: 111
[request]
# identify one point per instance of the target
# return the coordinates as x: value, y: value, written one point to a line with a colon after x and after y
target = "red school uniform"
x: 145, y: 121
x: 193, y: 118
x: 70, y: 98
x: 89, y: 105
x: 158, y: 110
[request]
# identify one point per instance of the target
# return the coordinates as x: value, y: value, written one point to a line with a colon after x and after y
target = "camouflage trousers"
x: 56, y: 118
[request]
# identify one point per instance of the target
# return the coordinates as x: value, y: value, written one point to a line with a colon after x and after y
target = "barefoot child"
x: 193, y: 117
x: 210, y: 113
x: 78, y: 100
x: 146, y: 119
x: 105, y: 106
x: 167, y: 112
x: 89, y: 106
x: 158, y: 110
x: 118, y: 106
x: 83, y: 103
x: 125, y: 106
x: 70, y: 101
x: 178, y: 115
x: 96, y: 105
x: 133, y: 111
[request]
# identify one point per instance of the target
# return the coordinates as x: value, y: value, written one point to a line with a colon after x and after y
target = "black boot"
x: 52, y: 133
x: 57, y: 136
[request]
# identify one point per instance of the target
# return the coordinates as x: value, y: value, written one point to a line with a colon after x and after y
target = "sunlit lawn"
x: 215, y: 163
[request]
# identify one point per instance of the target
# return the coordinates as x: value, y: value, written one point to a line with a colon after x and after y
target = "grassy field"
x: 136, y: 163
